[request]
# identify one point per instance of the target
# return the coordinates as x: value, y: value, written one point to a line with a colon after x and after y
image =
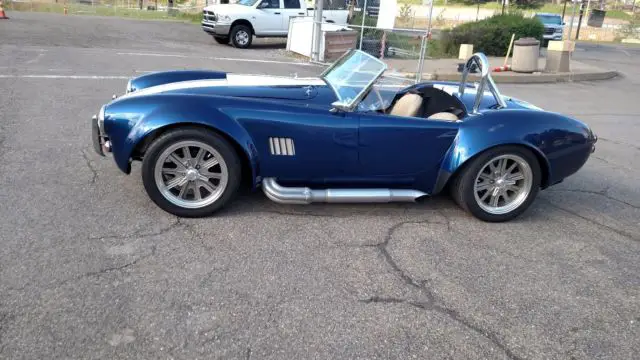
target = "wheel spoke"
x: 199, y: 156
x: 187, y: 154
x: 176, y: 161
x: 176, y: 181
x: 494, y: 199
x: 486, y: 195
x: 196, y: 190
x: 485, y: 177
x: 207, y: 185
x: 176, y: 172
x: 515, y: 177
x: 502, y: 166
x: 183, y: 191
x: 484, y: 186
x: 510, y: 169
x: 209, y: 164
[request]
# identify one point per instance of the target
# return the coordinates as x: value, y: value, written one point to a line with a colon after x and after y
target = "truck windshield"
x: 247, y: 2
x: 352, y: 75
x: 549, y: 19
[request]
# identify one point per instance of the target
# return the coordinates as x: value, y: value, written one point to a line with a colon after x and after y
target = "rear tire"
x: 498, y: 185
x: 241, y: 36
x: 171, y: 175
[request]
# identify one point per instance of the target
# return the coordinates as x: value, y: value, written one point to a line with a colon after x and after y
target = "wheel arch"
x: 248, y: 161
x: 242, y: 22
x: 445, y: 177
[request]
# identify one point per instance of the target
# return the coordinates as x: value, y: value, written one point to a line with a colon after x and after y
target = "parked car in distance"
x: 240, y: 22
x: 553, y: 26
x: 342, y: 137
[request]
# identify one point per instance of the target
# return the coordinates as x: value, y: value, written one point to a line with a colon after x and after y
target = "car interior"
x: 426, y: 102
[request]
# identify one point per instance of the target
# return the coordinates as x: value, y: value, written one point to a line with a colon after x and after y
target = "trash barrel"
x: 526, y: 52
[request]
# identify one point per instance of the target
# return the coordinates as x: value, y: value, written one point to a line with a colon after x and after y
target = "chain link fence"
x: 402, y: 46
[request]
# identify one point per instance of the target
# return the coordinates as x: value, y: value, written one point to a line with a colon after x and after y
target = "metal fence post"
x: 364, y: 13
x: 424, y: 45
x: 317, y: 30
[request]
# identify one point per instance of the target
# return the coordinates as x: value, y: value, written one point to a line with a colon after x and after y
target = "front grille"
x: 209, y: 16
x: 549, y: 31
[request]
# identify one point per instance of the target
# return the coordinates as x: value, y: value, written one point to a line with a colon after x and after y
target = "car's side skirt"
x: 305, y: 195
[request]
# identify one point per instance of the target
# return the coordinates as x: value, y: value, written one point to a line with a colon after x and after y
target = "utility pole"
x: 573, y: 16
x: 317, y: 29
x: 580, y: 19
x: 564, y: 8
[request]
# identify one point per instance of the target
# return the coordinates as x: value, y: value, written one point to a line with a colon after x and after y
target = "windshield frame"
x: 350, y: 106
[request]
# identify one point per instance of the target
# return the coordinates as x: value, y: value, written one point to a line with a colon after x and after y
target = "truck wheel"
x: 498, y: 185
x: 241, y: 36
x: 190, y: 172
x: 221, y: 40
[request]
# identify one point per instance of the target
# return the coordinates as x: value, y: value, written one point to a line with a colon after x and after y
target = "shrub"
x: 491, y: 35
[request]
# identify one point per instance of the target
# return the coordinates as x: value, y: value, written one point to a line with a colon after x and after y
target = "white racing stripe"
x: 232, y: 79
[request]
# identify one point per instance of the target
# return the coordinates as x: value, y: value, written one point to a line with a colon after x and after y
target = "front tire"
x: 498, y: 185
x: 191, y: 172
x: 241, y: 36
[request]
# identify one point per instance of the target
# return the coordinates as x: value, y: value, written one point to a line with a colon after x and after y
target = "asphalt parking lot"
x: 91, y: 268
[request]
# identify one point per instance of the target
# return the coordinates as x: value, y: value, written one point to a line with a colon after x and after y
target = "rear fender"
x: 532, y: 129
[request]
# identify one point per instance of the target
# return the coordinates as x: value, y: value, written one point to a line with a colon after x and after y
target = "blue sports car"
x: 345, y: 136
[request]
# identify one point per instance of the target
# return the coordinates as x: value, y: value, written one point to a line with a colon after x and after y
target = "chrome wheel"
x: 503, y: 184
x: 191, y: 174
x: 242, y: 37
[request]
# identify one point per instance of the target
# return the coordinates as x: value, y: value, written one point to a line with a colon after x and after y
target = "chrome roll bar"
x: 485, y: 81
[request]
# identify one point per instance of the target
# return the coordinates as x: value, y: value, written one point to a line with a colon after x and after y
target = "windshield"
x: 352, y: 75
x: 550, y: 19
x: 247, y: 2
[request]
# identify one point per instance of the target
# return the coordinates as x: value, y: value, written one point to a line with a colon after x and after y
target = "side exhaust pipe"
x: 304, y: 195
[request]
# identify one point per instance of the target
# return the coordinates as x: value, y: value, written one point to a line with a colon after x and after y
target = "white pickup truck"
x: 241, y: 21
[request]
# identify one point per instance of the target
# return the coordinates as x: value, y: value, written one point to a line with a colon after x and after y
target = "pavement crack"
x: 142, y: 234
x: 604, y: 193
x: 90, y: 166
x: 619, y: 232
x: 110, y: 269
x: 619, y: 143
x: 431, y: 303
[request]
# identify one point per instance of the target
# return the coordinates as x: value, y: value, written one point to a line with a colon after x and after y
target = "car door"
x: 268, y: 18
x: 405, y: 149
x: 291, y: 8
x: 309, y: 146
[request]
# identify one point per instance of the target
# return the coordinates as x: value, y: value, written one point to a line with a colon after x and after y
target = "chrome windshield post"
x: 481, y: 61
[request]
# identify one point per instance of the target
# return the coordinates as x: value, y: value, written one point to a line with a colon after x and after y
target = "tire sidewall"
x: 236, y: 29
x: 469, y: 177
x: 227, y: 152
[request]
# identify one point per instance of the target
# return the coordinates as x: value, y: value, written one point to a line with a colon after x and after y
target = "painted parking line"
x: 216, y: 58
x: 75, y: 77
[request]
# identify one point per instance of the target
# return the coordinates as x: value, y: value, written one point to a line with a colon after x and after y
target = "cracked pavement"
x: 91, y: 268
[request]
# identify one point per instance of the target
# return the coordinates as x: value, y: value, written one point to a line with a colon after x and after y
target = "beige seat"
x: 447, y: 116
x: 407, y: 105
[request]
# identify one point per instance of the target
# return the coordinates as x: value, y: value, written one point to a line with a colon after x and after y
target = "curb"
x: 506, y: 78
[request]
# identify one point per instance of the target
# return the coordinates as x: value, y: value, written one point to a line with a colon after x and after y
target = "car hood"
x: 241, y: 85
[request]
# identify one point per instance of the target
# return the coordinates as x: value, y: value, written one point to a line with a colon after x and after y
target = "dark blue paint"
x: 348, y: 149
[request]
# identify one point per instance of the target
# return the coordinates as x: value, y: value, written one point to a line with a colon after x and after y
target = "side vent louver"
x: 281, y: 146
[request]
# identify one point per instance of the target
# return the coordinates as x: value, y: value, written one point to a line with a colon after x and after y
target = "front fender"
x: 549, y: 135
x: 130, y: 121
x: 165, y: 77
